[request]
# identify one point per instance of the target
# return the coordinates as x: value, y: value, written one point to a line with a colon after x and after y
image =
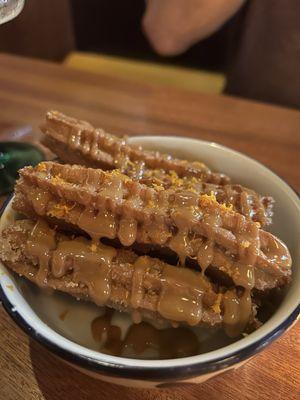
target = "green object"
x: 14, y: 156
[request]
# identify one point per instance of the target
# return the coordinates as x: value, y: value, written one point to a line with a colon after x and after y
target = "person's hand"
x: 172, y: 26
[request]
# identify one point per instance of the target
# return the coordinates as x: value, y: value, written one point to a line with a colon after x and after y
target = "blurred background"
x: 244, y: 48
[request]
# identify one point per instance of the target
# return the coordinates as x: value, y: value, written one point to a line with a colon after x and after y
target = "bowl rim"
x: 146, y: 372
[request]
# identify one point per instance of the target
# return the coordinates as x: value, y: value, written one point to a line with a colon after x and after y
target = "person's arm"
x: 172, y: 26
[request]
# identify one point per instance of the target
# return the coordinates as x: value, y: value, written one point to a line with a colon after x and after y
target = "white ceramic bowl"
x: 34, y: 316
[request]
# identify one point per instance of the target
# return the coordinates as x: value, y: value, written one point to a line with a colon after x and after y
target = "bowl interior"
x: 56, y: 316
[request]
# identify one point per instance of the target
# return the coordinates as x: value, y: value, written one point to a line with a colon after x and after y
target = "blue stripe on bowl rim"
x: 166, y: 374
x: 162, y: 374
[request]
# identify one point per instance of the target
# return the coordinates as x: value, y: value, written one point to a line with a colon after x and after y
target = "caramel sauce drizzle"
x: 184, y: 211
x: 237, y: 311
x: 90, y: 266
x: 174, y: 305
x: 40, y: 242
x: 181, y: 293
x: 183, y: 303
x: 181, y: 290
x: 168, y: 343
x: 127, y: 231
x: 63, y: 314
x: 181, y: 299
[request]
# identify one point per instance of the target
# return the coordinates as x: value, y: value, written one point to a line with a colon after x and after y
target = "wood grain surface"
x: 270, y: 134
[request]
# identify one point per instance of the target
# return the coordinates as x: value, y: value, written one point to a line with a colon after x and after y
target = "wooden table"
x: 268, y: 133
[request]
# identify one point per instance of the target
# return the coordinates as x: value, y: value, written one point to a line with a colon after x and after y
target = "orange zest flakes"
x: 41, y: 167
x: 175, y: 180
x: 193, y: 209
x: 93, y: 247
x: 118, y: 174
x: 227, y: 207
x: 57, y: 180
x: 114, y: 172
x: 157, y: 187
x: 192, y: 189
x: 60, y: 210
x: 207, y: 199
x: 192, y: 180
x: 245, y: 244
x: 213, y: 196
x: 217, y: 305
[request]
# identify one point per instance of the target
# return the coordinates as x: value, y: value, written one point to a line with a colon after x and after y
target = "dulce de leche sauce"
x: 142, y: 337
